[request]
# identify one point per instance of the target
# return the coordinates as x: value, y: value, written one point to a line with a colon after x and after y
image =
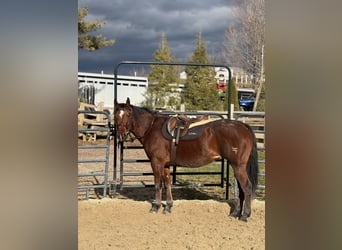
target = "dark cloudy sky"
x: 136, y: 25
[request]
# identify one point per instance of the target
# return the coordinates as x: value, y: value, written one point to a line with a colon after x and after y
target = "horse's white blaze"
x: 121, y: 113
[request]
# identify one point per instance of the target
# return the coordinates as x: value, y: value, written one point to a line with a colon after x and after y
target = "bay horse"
x: 229, y: 139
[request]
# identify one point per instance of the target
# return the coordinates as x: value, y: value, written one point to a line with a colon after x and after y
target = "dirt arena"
x: 199, y: 220
x: 193, y: 224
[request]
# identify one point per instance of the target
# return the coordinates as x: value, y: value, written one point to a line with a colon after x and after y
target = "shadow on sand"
x: 179, y: 193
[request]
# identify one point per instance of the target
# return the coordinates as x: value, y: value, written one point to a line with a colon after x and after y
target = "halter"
x: 127, y: 128
x: 130, y: 134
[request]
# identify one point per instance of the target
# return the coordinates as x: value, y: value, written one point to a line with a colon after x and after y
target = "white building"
x: 221, y: 75
x: 94, y: 88
x: 238, y: 74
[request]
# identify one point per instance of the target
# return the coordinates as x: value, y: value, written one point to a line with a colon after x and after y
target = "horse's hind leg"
x: 245, y: 194
x: 237, y: 209
x: 169, y: 199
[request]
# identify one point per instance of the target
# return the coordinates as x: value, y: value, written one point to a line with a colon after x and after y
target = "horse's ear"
x: 128, y: 102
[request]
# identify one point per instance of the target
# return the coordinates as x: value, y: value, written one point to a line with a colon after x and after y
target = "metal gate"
x: 95, y: 165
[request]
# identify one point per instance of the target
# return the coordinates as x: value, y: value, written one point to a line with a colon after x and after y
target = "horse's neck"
x: 142, y: 124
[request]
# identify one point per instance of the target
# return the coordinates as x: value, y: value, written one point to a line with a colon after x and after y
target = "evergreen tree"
x: 159, y: 93
x: 200, y: 92
x: 87, y: 41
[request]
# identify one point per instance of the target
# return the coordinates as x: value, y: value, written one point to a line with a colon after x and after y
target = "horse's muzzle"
x: 122, y: 133
x: 122, y: 137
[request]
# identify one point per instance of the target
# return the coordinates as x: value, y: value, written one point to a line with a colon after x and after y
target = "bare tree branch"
x: 244, y: 41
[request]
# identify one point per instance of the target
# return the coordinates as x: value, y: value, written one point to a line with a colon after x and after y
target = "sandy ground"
x: 193, y: 224
x: 199, y: 219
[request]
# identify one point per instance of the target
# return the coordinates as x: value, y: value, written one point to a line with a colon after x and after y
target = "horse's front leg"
x: 158, y: 188
x: 169, y: 199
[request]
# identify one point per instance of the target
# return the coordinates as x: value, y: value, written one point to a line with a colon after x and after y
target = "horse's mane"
x: 142, y: 110
x: 139, y: 110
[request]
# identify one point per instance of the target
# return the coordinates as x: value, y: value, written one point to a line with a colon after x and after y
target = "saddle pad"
x: 192, y: 134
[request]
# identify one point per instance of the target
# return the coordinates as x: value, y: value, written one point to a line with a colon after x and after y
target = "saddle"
x: 184, y: 128
x: 181, y: 126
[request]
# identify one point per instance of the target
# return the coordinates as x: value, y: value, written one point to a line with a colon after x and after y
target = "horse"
x: 224, y: 138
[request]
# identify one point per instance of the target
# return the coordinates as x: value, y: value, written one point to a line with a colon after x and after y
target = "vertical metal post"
x: 115, y: 136
x: 229, y: 116
x: 121, y: 165
x: 222, y: 173
x: 229, y: 92
x: 227, y: 181
x: 115, y: 161
x: 174, y: 175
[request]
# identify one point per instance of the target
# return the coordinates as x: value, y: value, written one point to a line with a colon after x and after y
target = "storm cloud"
x: 137, y: 26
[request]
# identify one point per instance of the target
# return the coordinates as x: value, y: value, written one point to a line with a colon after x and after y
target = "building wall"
x: 128, y: 86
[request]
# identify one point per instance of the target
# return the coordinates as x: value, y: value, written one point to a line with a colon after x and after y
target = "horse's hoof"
x: 235, y: 214
x: 155, y: 208
x: 167, y: 211
x: 243, y: 218
x: 167, y: 208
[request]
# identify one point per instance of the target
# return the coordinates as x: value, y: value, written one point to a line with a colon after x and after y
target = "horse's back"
x: 231, y: 128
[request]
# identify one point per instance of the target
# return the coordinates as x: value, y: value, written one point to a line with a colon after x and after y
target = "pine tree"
x: 87, y: 41
x: 200, y: 92
x: 159, y: 93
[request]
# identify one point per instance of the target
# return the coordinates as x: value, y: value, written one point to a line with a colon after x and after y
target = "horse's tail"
x: 252, y: 164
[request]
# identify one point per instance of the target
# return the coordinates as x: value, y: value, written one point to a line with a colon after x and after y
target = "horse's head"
x: 123, y: 118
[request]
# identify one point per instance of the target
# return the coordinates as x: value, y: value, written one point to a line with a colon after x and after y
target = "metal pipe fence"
x: 93, y: 167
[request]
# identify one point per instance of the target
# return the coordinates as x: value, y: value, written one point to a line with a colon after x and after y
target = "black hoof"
x: 235, y: 214
x: 153, y: 211
x: 235, y: 210
x: 166, y: 211
x: 167, y: 208
x: 243, y: 218
x: 155, y: 208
